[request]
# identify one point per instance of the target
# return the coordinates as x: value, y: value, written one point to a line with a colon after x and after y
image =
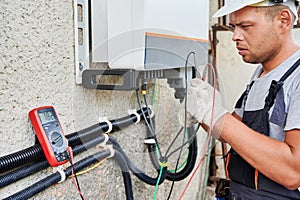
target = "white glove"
x: 199, y: 104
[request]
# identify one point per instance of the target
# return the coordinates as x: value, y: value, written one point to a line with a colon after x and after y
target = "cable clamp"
x: 149, y: 108
x: 164, y: 164
x: 149, y: 141
x: 111, y: 149
x: 106, y: 138
x: 60, y: 170
x: 133, y: 111
x: 110, y: 126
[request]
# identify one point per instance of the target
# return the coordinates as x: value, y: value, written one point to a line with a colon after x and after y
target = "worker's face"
x: 256, y: 37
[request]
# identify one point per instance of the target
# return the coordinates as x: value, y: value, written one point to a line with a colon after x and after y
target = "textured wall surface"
x: 37, y: 68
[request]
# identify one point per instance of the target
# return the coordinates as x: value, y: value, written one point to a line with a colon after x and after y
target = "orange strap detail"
x: 256, y: 179
x: 227, y: 163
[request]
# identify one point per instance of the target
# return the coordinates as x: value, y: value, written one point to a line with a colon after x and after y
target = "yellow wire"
x: 91, y: 168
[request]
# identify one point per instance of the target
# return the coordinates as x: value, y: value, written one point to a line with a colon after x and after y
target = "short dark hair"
x: 272, y: 11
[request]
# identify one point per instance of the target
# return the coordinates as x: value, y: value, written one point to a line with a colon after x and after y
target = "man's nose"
x: 237, y: 35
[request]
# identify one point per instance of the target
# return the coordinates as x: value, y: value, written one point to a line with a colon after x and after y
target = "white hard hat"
x: 234, y: 5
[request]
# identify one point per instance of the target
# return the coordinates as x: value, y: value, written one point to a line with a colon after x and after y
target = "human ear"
x: 285, y: 18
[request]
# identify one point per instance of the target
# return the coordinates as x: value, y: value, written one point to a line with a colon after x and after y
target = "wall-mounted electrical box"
x: 140, y: 34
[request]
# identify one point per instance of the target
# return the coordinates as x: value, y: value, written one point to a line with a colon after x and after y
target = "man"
x: 264, y: 130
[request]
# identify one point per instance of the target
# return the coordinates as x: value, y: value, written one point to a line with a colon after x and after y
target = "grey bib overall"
x: 239, y: 170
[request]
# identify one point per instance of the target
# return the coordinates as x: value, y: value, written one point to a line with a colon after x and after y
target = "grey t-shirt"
x: 286, y: 115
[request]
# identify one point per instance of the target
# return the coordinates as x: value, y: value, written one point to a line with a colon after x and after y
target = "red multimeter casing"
x: 50, y: 134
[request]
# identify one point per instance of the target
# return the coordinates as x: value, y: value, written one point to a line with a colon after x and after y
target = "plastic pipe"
x: 136, y: 171
x: 32, y: 168
x: 35, y: 152
x: 191, y: 159
x: 56, y: 177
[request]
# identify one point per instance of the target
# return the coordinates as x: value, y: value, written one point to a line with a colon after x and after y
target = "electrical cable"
x: 120, y: 158
x: 173, y: 141
x: 158, y: 179
x: 32, y: 168
x: 188, y: 168
x: 206, y: 173
x: 183, y: 144
x: 152, y: 126
x: 185, y: 117
x: 150, y: 118
x: 184, y: 162
x: 24, y: 171
x: 135, y: 170
x: 191, y: 158
x: 179, y: 167
x: 35, y: 152
x: 21, y: 157
x: 89, y: 133
x: 74, y: 176
x: 152, y: 104
x: 153, y: 93
x: 56, y: 177
x: 153, y: 135
x: 91, y: 168
x: 209, y: 133
x: 87, y: 138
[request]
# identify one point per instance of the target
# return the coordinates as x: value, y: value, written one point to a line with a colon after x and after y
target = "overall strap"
x: 290, y: 71
x: 243, y: 97
x: 277, y: 85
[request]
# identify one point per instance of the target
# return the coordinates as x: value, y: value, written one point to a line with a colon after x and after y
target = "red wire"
x: 209, y: 133
x: 73, y: 175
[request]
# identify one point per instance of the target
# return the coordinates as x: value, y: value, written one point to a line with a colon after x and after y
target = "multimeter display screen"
x: 47, y: 116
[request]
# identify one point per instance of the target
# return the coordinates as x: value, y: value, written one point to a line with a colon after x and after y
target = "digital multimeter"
x: 50, y: 134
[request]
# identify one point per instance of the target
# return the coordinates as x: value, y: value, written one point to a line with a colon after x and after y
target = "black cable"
x: 56, y: 177
x: 22, y: 172
x: 173, y: 141
x: 152, y: 150
x: 185, y: 118
x: 79, y: 141
x: 75, y: 176
x: 21, y: 157
x: 147, y: 123
x: 119, y: 156
x: 149, y: 113
x: 190, y: 160
x: 35, y: 152
x: 32, y: 168
x: 136, y: 171
x: 185, y: 143
x: 189, y: 165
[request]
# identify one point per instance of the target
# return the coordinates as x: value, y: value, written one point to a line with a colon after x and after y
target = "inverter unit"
x: 142, y: 34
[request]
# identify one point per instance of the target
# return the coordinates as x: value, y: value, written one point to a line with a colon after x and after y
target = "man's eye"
x: 232, y: 28
x: 245, y: 26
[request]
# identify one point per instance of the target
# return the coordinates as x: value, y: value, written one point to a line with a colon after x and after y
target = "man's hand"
x: 200, y: 97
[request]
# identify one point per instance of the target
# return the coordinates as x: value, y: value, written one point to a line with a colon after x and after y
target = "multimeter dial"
x: 56, y: 139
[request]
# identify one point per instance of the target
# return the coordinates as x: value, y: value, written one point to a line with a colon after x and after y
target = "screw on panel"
x: 80, y: 66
